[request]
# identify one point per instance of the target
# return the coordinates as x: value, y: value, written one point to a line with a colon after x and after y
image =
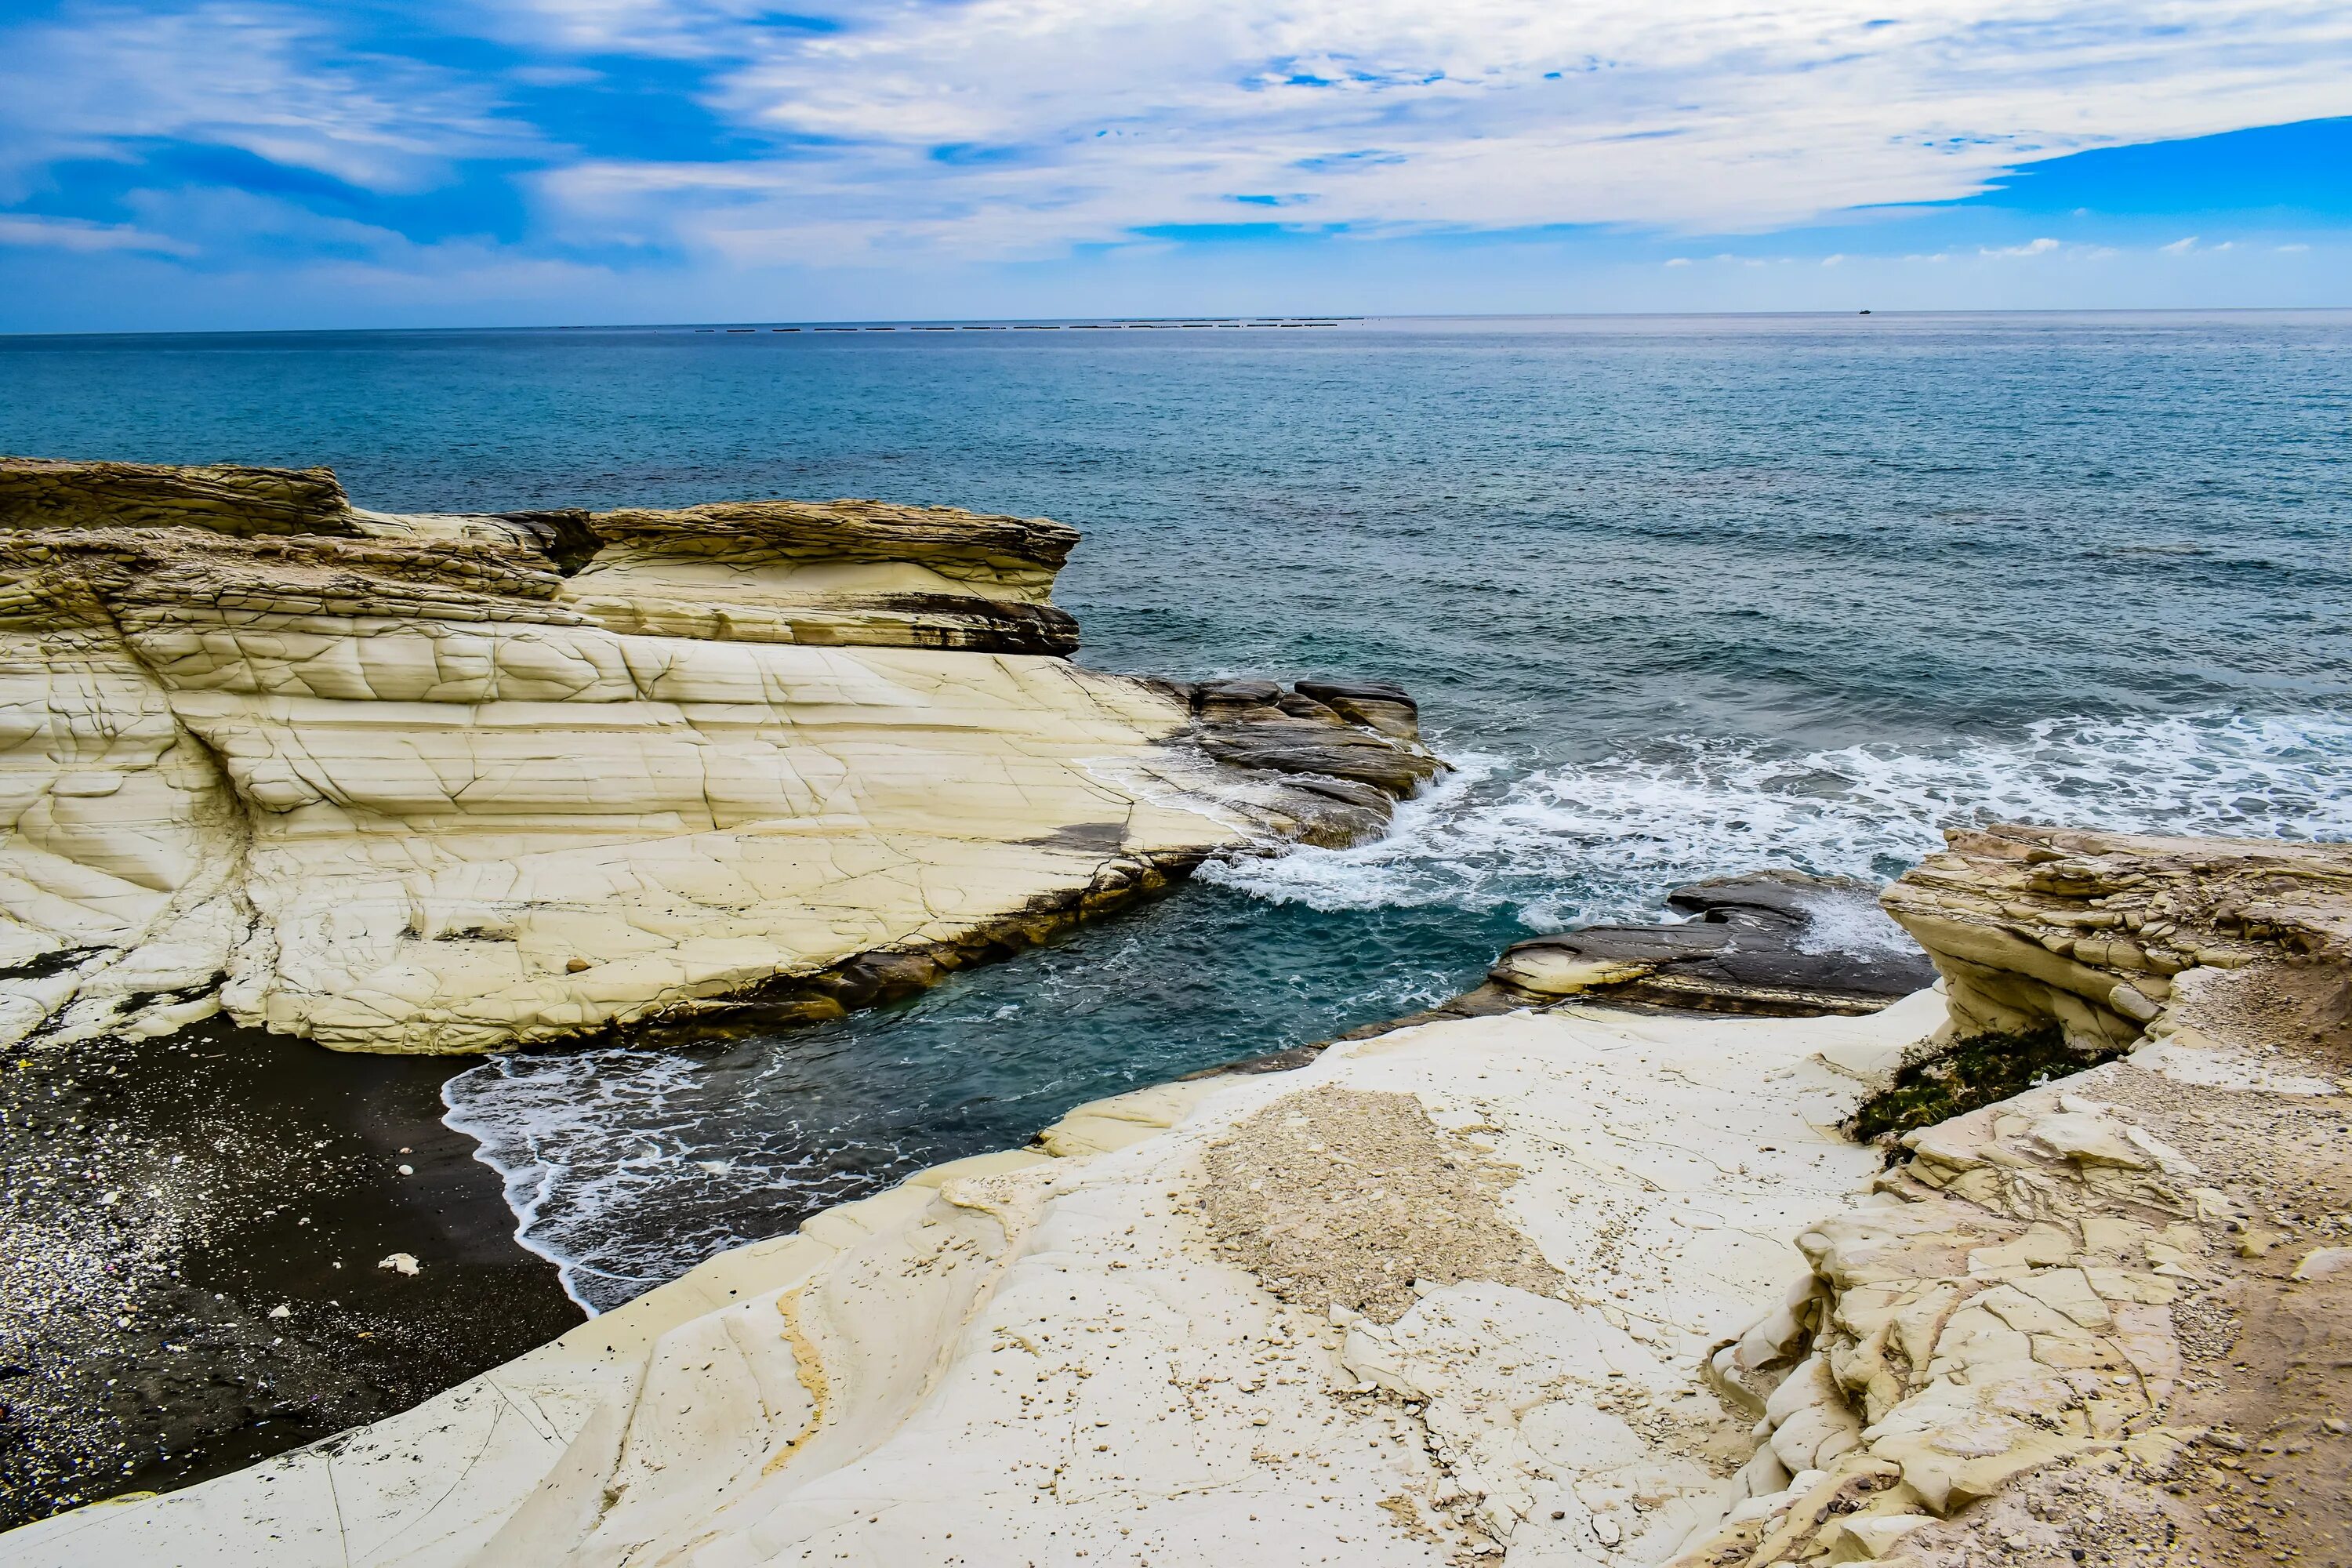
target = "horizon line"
x: 1260, y: 319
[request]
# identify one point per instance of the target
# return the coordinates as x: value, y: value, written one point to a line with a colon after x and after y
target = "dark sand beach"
x: 191, y: 1234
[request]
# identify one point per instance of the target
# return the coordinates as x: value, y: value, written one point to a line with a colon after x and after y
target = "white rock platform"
x: 1043, y: 1356
x: 1558, y: 1288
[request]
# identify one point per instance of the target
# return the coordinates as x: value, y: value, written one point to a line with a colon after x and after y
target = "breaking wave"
x: 1602, y: 840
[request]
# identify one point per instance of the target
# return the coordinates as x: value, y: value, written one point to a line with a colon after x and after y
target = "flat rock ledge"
x: 1578, y: 1286
x: 461, y: 783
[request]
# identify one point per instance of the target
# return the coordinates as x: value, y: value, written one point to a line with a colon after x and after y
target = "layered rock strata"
x: 2109, y: 1320
x: 1570, y: 1287
x: 457, y: 783
x: 2115, y: 937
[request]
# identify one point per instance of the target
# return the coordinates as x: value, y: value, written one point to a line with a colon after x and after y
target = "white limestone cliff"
x: 446, y: 784
x: 1562, y: 1287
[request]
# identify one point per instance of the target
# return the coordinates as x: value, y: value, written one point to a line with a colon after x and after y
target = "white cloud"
x: 997, y: 129
x: 266, y: 80
x: 74, y: 234
x: 2194, y: 245
x: 1081, y: 120
x: 670, y: 29
x: 2042, y: 246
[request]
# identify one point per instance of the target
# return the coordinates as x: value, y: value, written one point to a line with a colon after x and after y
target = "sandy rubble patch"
x: 1343, y: 1197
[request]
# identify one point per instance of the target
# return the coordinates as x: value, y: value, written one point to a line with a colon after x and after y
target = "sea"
x: 1679, y: 596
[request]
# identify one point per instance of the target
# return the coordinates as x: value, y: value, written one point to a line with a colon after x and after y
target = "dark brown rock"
x: 227, y: 497
x: 1257, y: 724
x: 1772, y: 942
x: 1004, y: 553
x: 1286, y: 745
x: 1228, y: 702
x: 1375, y: 704
x: 565, y: 535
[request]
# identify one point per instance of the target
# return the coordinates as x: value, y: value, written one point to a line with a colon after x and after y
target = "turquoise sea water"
x: 1681, y: 596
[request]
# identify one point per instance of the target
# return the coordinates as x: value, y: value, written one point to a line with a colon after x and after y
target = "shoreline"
x: 360, y: 1342
x: 231, y: 1172
x: 1570, y: 1282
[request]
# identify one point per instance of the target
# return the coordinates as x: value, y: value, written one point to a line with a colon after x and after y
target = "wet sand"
x: 191, y: 1231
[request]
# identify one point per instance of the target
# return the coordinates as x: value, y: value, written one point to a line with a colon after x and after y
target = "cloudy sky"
x: 241, y: 163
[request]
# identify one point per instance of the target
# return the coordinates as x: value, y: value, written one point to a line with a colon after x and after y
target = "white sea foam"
x: 1850, y: 923
x: 1602, y: 840
x: 585, y: 1141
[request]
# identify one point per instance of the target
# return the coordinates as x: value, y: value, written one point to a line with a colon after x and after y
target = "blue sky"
x: 255, y: 164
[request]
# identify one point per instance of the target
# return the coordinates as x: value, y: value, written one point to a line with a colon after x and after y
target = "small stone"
x: 2089, y: 1139
x: 575, y: 966
x: 281, y: 1311
x: 2322, y: 1262
x: 401, y: 1263
x: 1605, y: 1530
x: 408, y: 1170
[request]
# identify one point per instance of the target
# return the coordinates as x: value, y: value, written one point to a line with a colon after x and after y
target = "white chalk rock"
x: 418, y: 790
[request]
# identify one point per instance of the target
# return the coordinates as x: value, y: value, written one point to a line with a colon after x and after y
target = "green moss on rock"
x: 1977, y: 1071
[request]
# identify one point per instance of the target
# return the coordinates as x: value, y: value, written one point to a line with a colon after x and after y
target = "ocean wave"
x: 1602, y: 840
x: 622, y: 1166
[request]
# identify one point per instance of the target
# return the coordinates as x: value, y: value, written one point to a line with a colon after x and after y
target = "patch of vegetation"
x: 1977, y: 1071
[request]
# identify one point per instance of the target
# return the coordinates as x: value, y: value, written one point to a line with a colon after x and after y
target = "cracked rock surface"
x: 460, y: 783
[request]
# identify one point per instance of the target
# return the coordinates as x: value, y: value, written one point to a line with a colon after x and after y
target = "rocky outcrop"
x: 243, y: 502
x: 1774, y: 943
x: 2067, y: 1315
x: 454, y: 783
x: 1358, y: 754
x: 2112, y: 937
x: 859, y: 573
x: 1517, y: 1287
